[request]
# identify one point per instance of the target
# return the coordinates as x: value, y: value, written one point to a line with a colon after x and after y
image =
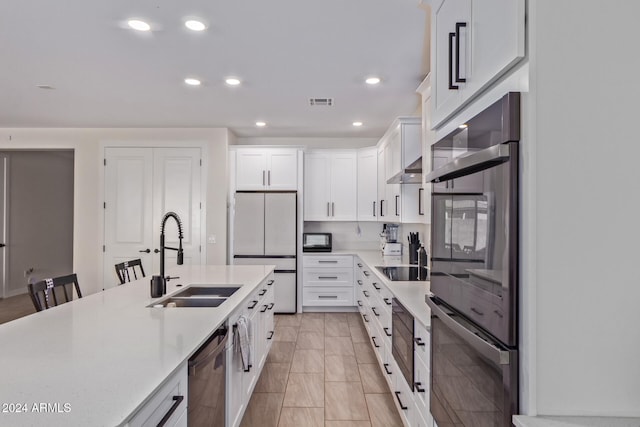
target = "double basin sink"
x: 197, y: 295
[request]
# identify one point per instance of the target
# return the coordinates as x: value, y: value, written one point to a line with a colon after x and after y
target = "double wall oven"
x: 474, y: 274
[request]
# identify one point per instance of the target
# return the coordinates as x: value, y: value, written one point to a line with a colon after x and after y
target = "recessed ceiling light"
x: 261, y: 124
x: 194, y: 25
x: 192, y: 82
x: 232, y: 81
x: 372, y: 80
x: 47, y: 87
x: 139, y: 25
x: 357, y: 124
x: 463, y: 126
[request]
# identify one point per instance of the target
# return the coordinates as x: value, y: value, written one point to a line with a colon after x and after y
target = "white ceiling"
x: 284, y: 51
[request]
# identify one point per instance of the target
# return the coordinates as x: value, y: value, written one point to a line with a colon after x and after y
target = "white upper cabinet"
x: 475, y: 42
x: 330, y: 185
x: 266, y: 169
x: 368, y: 184
x: 382, y: 204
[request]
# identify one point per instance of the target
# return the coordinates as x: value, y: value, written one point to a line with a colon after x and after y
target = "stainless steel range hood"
x: 412, y: 174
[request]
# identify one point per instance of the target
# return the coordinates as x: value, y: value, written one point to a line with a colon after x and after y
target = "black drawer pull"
x: 264, y: 308
x: 359, y: 282
x: 419, y: 342
x: 386, y: 368
x: 331, y: 261
x: 248, y: 368
x: 418, y: 388
x: 271, y: 305
x: 366, y: 273
x: 386, y: 331
x: 404, y: 408
x: 476, y: 311
x: 177, y: 400
x: 375, y: 344
x: 360, y: 265
x: 270, y: 282
x: 386, y: 301
x: 262, y: 292
x: 360, y: 303
x: 270, y: 336
x: 498, y: 314
x: 366, y: 294
x: 377, y: 287
x: 251, y: 307
x: 375, y: 312
x: 328, y: 277
x: 328, y: 296
x: 364, y: 316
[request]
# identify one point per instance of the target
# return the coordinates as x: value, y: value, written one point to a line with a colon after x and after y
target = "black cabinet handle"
x: 381, y: 208
x: 476, y: 311
x: 271, y: 305
x: 420, y: 211
x: 156, y: 251
x: 270, y: 336
x: 262, y: 292
x: 397, y: 198
x: 359, y: 303
x: 270, y: 282
x: 374, y: 208
x: 264, y: 308
x: 248, y: 368
x: 366, y: 294
x: 386, y: 368
x: 329, y: 261
x: 458, y: 26
x: 419, y: 342
x: 177, y: 400
x: 328, y: 296
x: 251, y: 307
x: 386, y: 331
x: 146, y: 251
x: 375, y: 312
x: 418, y: 388
x: 386, y: 301
x: 374, y: 285
x: 451, y: 85
x: 364, y: 316
x: 375, y: 344
x: 404, y: 408
x: 359, y: 282
x: 366, y: 273
x: 328, y: 277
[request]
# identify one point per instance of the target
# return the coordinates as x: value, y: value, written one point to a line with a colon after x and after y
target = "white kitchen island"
x: 97, y: 360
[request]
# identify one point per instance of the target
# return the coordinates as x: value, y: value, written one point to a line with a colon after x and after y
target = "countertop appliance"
x: 316, y: 242
x: 474, y: 268
x: 402, y: 273
x: 265, y: 231
x: 402, y: 339
x: 207, y: 371
x: 394, y: 249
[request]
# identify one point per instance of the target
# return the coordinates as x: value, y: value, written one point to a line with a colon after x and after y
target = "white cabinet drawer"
x: 421, y: 385
x: 329, y: 261
x: 422, y: 342
x: 174, y: 390
x: 328, y: 277
x: 327, y: 296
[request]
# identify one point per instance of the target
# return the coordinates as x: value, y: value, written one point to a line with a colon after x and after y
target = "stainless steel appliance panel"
x: 207, y: 372
x: 474, y: 378
x: 249, y: 225
x: 280, y: 224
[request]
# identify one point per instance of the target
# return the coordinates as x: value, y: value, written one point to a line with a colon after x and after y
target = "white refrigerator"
x: 265, y: 233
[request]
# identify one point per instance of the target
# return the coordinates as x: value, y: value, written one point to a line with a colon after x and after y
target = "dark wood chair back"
x: 126, y: 269
x: 49, y: 293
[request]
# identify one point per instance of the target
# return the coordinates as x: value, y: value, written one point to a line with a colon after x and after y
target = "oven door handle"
x: 472, y: 163
x: 488, y: 350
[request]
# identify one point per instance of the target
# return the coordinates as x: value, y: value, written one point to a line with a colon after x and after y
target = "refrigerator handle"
x: 263, y: 177
x: 269, y: 177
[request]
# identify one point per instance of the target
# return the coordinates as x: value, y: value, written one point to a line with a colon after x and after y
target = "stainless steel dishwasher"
x: 207, y: 369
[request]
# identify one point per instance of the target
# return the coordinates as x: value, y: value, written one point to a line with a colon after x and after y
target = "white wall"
x: 86, y: 143
x: 584, y: 70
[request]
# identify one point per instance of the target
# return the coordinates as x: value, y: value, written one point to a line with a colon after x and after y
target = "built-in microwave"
x: 316, y: 242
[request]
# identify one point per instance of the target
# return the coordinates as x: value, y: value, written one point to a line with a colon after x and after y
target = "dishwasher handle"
x: 198, y: 361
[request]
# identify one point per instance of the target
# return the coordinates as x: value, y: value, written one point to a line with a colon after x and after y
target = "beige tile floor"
x: 321, y: 371
x: 15, y: 307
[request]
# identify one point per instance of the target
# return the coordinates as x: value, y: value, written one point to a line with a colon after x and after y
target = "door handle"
x: 458, y: 26
x: 420, y: 211
x: 146, y: 251
x: 451, y: 85
x: 156, y: 251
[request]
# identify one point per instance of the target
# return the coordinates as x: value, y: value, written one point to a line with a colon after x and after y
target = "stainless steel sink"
x: 198, y: 295
x: 209, y: 291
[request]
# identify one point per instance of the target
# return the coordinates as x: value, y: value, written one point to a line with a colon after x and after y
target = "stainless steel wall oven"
x: 474, y: 274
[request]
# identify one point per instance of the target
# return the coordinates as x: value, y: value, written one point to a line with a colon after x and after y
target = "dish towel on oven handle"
x: 241, y: 341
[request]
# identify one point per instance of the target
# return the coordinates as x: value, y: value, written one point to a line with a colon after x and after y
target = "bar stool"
x: 48, y: 293
x: 124, y: 270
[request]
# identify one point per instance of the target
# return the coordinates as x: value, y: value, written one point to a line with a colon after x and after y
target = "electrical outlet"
x: 211, y: 239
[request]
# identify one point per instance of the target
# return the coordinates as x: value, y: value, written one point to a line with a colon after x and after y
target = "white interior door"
x: 128, y: 209
x: 176, y: 188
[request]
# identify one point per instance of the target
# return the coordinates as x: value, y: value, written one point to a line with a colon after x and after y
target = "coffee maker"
x: 389, y: 240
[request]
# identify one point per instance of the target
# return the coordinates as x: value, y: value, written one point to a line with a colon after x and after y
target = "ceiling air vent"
x: 326, y: 102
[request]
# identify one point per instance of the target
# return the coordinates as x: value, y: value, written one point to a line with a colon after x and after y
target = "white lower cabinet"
x: 162, y: 402
x: 404, y: 398
x: 327, y: 281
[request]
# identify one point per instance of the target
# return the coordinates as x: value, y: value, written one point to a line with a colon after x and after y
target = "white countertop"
x: 411, y: 294
x: 524, y: 421
x: 106, y: 353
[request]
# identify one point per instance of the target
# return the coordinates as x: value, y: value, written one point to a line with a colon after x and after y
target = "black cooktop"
x: 404, y: 273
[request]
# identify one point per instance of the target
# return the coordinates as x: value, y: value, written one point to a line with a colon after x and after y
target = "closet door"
x: 128, y: 212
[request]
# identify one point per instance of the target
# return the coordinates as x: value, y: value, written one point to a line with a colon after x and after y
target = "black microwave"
x: 316, y: 242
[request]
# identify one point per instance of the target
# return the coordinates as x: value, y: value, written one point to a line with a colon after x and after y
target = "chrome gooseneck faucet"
x: 163, y: 247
